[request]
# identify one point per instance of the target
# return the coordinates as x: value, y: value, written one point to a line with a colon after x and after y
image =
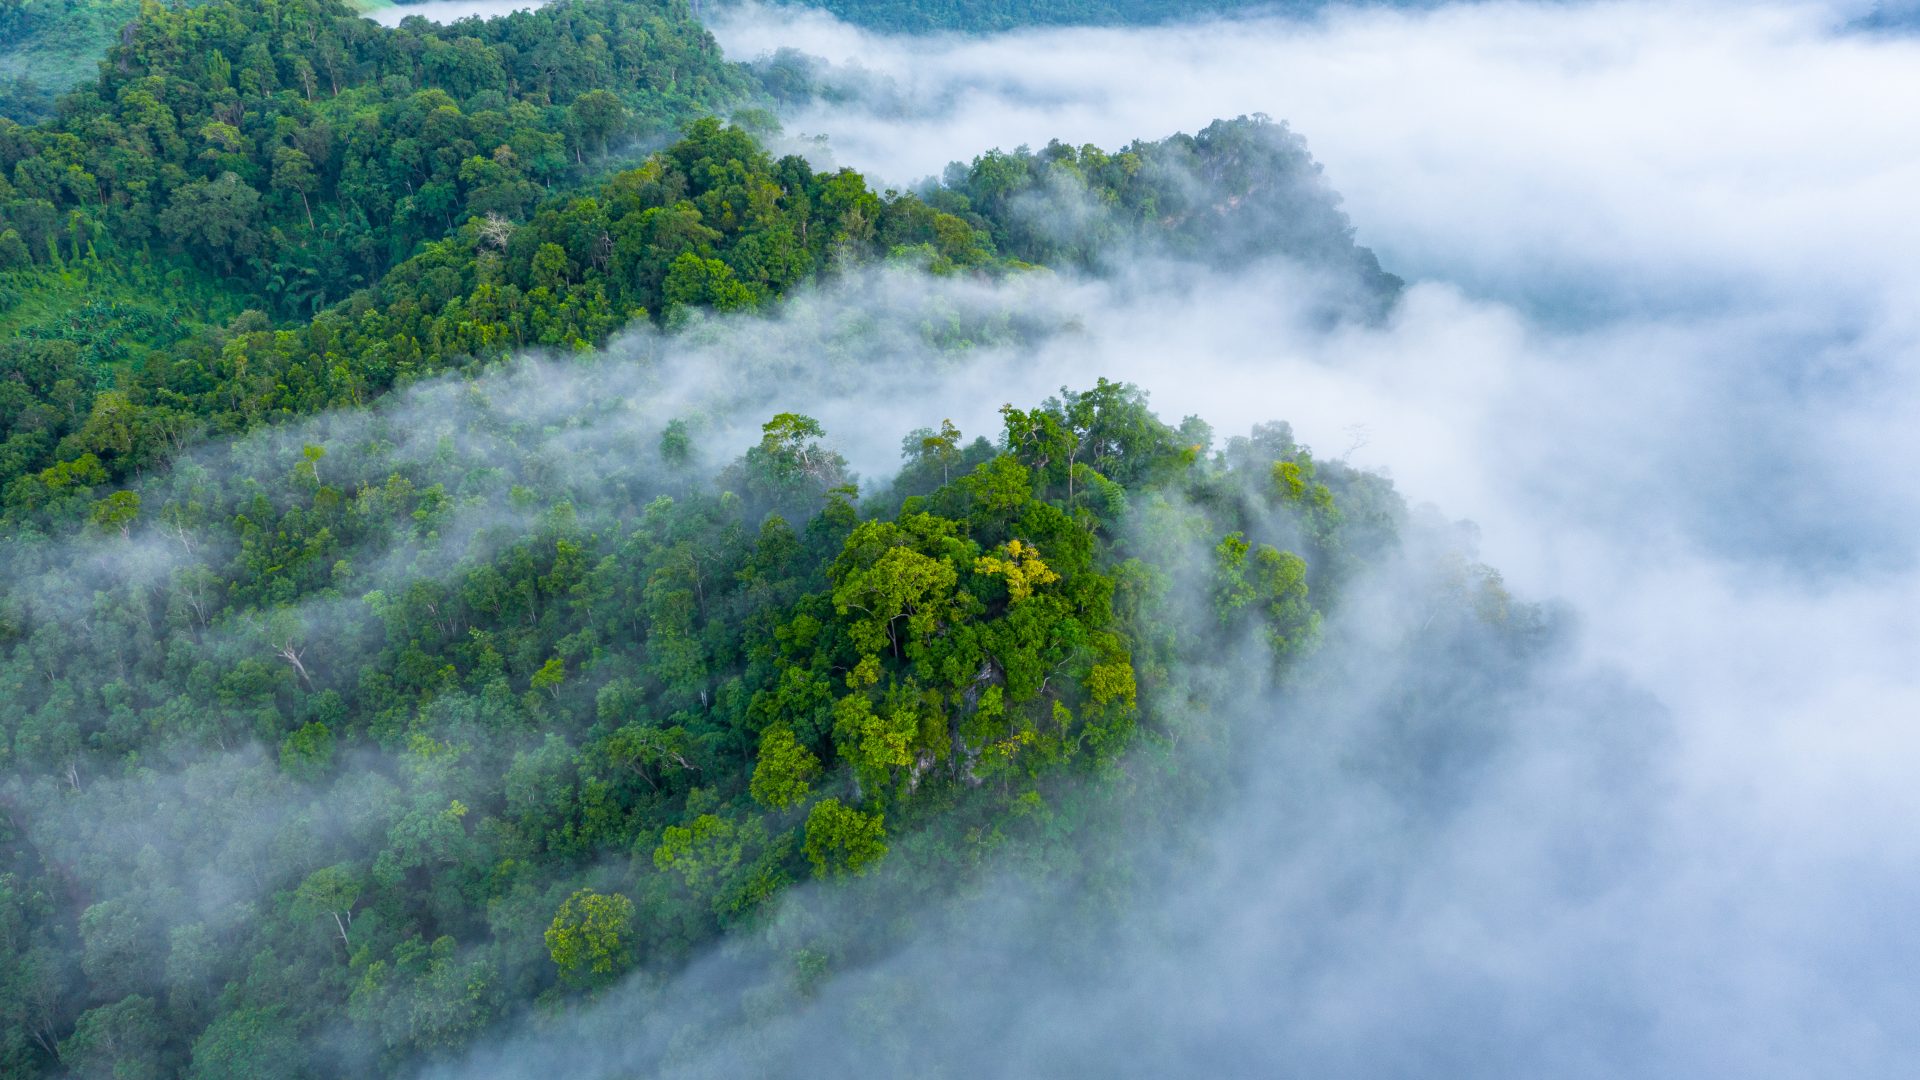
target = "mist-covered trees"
x: 273, y: 159
x: 1237, y: 191
x: 549, y: 727
x: 346, y: 710
x: 713, y: 222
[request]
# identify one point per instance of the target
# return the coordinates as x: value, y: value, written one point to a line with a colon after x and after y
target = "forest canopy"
x: 383, y: 658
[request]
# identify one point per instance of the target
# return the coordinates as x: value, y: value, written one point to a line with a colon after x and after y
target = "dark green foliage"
x: 338, y: 724
x: 581, y: 721
x: 1238, y: 191
x: 300, y: 151
x: 712, y: 222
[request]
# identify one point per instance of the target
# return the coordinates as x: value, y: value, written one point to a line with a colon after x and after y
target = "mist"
x: 1655, y: 346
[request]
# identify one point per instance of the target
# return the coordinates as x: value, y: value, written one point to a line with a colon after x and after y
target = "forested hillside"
x: 424, y: 735
x: 274, y: 159
x: 300, y: 149
x: 47, y: 47
x: 713, y: 222
x: 381, y: 661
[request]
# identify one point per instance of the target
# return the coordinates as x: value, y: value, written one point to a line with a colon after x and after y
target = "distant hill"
x: 921, y: 16
x: 48, y: 47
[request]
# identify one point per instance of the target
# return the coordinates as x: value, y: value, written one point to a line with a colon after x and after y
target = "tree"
x: 551, y: 675
x: 793, y: 437
x: 1280, y: 579
x: 119, y: 947
x: 676, y: 444
x: 215, y: 218
x: 309, y: 464
x: 117, y: 512
x: 550, y: 267
x: 597, y: 117
x: 942, y: 447
x: 1021, y: 568
x: 293, y: 171
x: 1231, y: 590
x: 874, y: 742
x: 427, y: 997
x: 899, y: 584
x: 648, y: 752
x: 34, y: 1008
x: 784, y: 773
x: 330, y: 892
x: 122, y: 1041
x: 1274, y: 584
x: 13, y: 251
x: 701, y: 853
x: 842, y: 840
x: 692, y: 280
x: 307, y: 751
x: 249, y: 1044
x: 591, y: 936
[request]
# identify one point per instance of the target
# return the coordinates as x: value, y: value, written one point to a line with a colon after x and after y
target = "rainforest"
x: 637, y: 538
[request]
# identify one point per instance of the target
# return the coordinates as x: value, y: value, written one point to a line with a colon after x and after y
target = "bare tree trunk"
x: 292, y: 656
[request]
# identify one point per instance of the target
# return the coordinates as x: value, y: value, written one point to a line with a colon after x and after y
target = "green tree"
x: 13, y: 251
x: 307, y: 751
x: 293, y: 171
x: 249, y: 1044
x: 117, y: 512
x: 122, y: 1041
x: 701, y: 853
x: 597, y: 117
x: 942, y: 447
x: 551, y: 675
x: 591, y: 936
x: 216, y: 219
x: 902, y: 596
x: 842, y: 840
x: 330, y: 893
x: 694, y: 281
x: 784, y: 772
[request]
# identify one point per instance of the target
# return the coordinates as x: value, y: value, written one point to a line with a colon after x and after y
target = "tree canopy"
x: 373, y: 671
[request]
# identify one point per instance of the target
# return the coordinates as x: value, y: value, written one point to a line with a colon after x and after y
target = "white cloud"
x: 1660, y: 345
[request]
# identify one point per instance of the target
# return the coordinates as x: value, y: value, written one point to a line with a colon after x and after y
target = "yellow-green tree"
x: 842, y: 840
x: 590, y: 938
x: 784, y: 773
x: 700, y: 853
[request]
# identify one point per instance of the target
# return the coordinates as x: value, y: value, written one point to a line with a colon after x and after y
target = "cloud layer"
x: 1659, y: 344
x: 1657, y: 347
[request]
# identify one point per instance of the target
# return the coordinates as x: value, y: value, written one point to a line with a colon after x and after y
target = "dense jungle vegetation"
x: 363, y: 686
x: 102, y: 390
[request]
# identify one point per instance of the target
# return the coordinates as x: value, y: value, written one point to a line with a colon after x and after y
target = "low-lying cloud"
x: 1658, y: 344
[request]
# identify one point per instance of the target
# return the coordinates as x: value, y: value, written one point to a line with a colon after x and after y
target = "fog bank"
x: 1659, y: 346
